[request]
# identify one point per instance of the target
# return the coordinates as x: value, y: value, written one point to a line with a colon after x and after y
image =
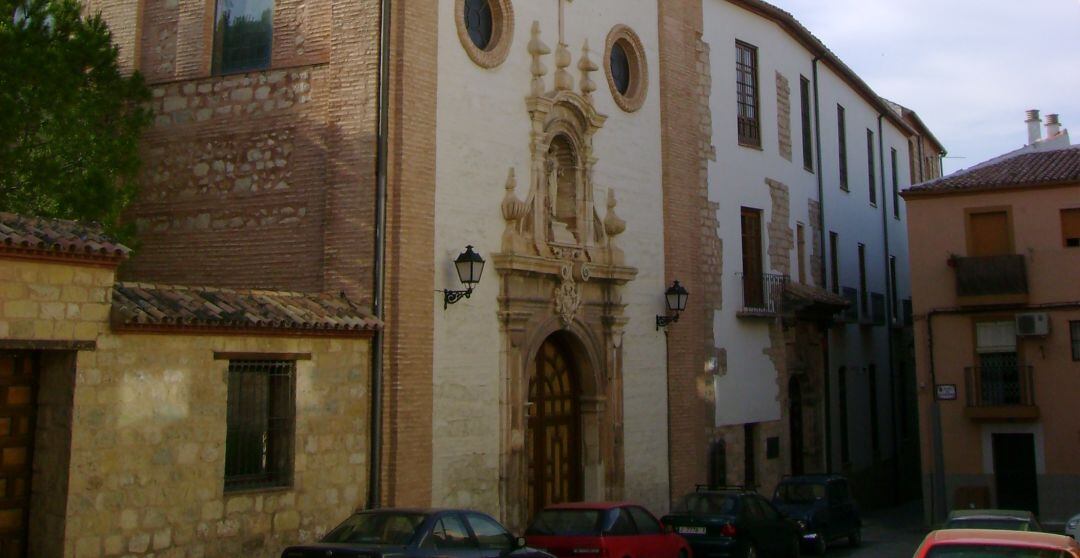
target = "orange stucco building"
x: 995, y: 257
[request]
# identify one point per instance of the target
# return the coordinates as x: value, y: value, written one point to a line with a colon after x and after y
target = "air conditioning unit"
x: 1033, y: 324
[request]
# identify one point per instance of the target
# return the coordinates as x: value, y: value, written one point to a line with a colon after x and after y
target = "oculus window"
x: 485, y: 29
x: 626, y: 68
x: 243, y: 35
x: 620, y: 68
x: 478, y: 22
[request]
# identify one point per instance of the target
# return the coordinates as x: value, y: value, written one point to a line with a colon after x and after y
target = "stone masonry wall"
x: 53, y: 301
x: 783, y: 115
x: 780, y: 234
x: 148, y: 448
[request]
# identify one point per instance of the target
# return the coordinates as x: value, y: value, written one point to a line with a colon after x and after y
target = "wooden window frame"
x: 749, y: 124
x: 841, y: 137
x: 871, y: 172
x: 807, y: 124
x: 280, y: 445
x: 969, y: 239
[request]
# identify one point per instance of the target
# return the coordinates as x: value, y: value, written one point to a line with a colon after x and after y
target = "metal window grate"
x: 746, y: 84
x: 260, y: 424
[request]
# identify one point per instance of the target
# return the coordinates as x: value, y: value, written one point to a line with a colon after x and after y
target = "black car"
x: 823, y: 507
x: 416, y: 533
x: 733, y: 521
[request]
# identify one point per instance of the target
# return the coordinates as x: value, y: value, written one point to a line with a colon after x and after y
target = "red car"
x: 603, y: 530
x: 965, y: 543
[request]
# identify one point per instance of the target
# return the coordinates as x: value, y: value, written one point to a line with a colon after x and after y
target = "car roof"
x: 1002, y: 538
x: 812, y: 479
x: 422, y: 511
x: 967, y: 514
x: 591, y: 505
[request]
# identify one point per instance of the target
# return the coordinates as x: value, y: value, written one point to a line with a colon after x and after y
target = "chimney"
x: 1034, y: 125
x: 1053, y: 126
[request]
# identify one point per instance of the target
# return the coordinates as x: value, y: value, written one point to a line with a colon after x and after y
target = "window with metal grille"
x: 260, y: 423
x: 746, y: 83
x: 841, y: 136
x: 895, y: 185
x: 870, y: 175
x: 243, y: 35
x: 807, y: 141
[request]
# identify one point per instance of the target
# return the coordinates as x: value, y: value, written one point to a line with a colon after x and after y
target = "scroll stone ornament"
x: 567, y: 296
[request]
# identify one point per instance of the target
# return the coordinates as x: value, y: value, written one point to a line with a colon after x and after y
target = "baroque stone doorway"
x: 553, y: 444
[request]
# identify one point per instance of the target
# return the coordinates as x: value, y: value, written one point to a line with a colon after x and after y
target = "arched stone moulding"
x: 639, y: 68
x: 502, y: 33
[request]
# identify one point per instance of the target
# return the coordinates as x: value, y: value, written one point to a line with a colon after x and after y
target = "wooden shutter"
x: 1070, y: 227
x: 988, y: 234
x: 753, y: 292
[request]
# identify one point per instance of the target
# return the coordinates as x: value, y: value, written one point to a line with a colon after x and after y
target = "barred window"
x: 841, y: 136
x: 260, y: 423
x: 746, y: 83
x: 243, y: 35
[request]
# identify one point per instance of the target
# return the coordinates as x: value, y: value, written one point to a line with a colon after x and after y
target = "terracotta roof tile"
x: 1040, y: 168
x: 32, y: 236
x: 154, y: 306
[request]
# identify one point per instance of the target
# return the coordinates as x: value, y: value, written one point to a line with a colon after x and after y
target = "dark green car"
x: 722, y: 522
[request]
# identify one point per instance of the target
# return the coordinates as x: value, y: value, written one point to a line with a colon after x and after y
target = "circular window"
x: 627, y: 72
x: 486, y: 28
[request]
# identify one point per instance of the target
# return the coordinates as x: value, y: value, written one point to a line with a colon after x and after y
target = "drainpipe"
x: 375, y: 453
x: 824, y: 268
x: 889, y: 313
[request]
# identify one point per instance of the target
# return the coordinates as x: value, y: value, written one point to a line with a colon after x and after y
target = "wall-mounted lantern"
x: 675, y: 297
x: 469, y: 266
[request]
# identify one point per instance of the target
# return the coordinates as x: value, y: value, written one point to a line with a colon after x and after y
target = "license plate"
x: 691, y: 530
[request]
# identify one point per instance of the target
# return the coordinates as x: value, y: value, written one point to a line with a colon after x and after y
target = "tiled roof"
x: 36, y: 237
x: 1041, y: 168
x: 155, y: 307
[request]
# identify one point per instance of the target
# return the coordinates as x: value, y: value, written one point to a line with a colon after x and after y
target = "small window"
x: 895, y: 185
x: 646, y: 523
x: 841, y: 137
x: 626, y: 68
x: 864, y: 293
x: 1070, y: 227
x: 746, y: 85
x: 243, y: 35
x: 449, y: 533
x: 1074, y: 335
x: 259, y: 424
x: 870, y: 174
x: 834, y: 260
x: 489, y: 534
x: 479, y: 22
x: 807, y: 133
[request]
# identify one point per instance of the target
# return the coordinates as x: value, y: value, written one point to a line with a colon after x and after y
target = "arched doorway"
x: 553, y: 443
x: 795, y: 422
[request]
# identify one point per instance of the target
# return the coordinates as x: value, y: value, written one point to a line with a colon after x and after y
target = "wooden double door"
x: 19, y: 372
x: 554, y: 429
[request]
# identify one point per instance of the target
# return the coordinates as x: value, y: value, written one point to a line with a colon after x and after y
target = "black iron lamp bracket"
x: 664, y: 321
x: 451, y: 297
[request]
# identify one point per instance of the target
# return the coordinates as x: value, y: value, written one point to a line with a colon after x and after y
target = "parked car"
x: 823, y: 507
x: 604, y: 529
x: 966, y: 543
x: 733, y: 521
x: 1072, y: 527
x: 416, y: 533
x: 1011, y: 520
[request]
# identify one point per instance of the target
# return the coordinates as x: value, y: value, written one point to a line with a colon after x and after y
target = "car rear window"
x: 566, y: 522
x: 800, y: 493
x: 988, y: 523
x: 991, y: 551
x: 376, y: 528
x: 705, y: 503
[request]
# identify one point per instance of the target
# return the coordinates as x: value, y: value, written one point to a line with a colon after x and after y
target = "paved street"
x: 890, y: 533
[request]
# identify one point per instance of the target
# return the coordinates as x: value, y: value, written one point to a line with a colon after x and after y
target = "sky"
x: 969, y: 68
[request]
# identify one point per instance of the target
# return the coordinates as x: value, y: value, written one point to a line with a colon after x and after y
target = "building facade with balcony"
x: 995, y: 266
x: 808, y: 336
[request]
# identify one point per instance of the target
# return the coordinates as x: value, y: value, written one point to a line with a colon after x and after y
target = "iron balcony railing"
x: 999, y: 386
x: 763, y: 293
x: 990, y: 275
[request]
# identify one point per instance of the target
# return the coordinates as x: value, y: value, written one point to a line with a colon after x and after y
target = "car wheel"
x: 820, y: 545
x: 855, y: 538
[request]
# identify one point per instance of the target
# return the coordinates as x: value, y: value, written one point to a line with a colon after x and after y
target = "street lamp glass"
x: 469, y: 267
x: 676, y: 297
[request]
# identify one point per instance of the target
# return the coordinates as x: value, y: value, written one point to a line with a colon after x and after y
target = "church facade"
x: 592, y: 153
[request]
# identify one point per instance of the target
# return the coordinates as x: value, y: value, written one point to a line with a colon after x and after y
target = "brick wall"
x: 689, y: 230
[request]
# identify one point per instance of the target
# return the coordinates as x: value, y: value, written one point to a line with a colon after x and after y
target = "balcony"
x: 1000, y: 393
x: 990, y: 279
x: 763, y: 295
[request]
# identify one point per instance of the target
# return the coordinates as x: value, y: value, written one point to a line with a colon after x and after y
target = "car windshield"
x: 708, y: 504
x: 566, y: 522
x: 799, y: 493
x: 382, y: 528
x: 991, y: 551
x: 1005, y: 523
